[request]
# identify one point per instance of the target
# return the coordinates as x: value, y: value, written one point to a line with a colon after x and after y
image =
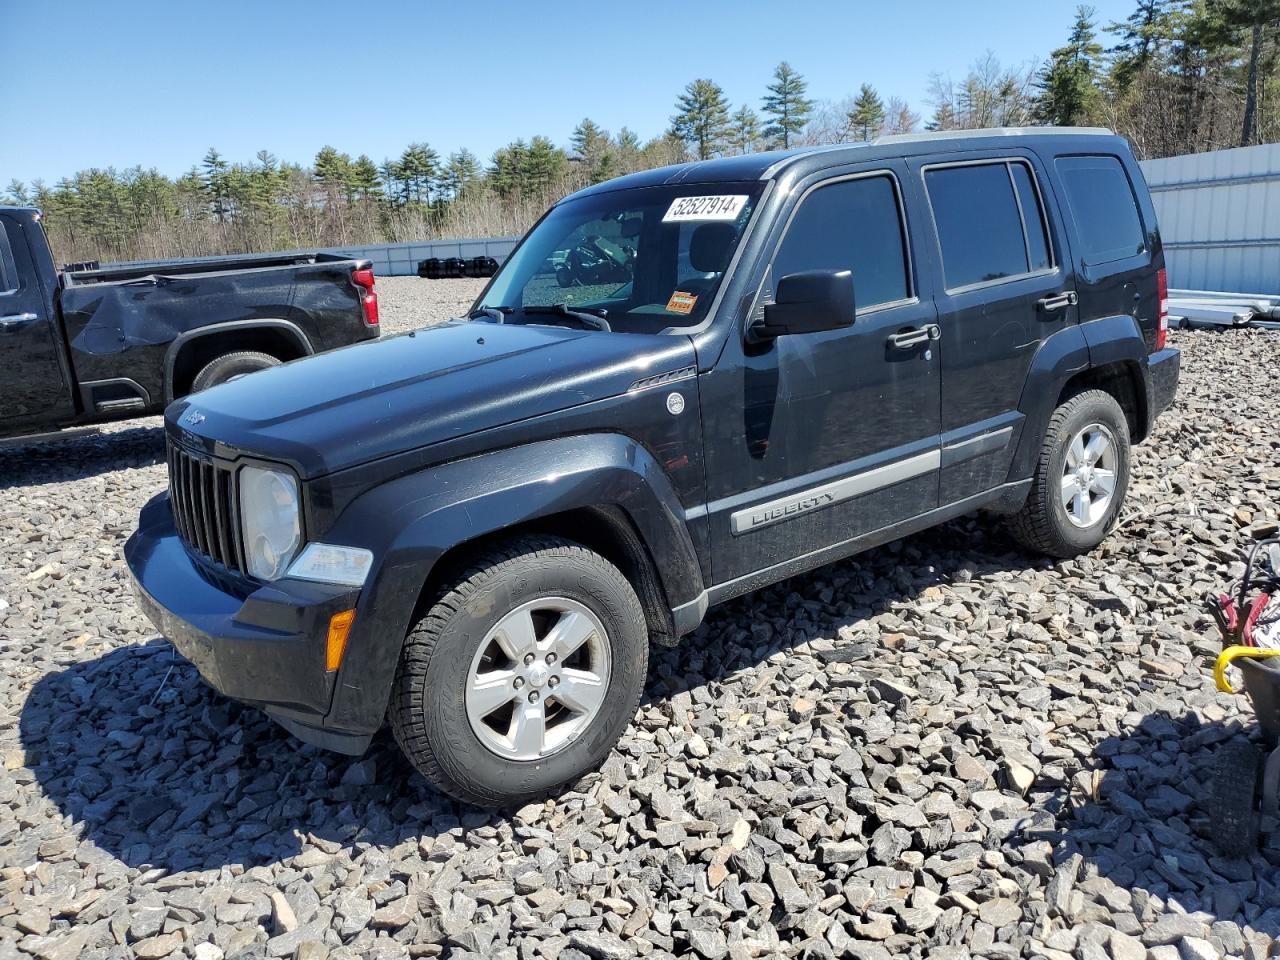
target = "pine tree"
x: 1143, y: 36
x: 592, y: 150
x: 544, y: 165
x: 460, y: 172
x: 785, y: 105
x: 17, y: 193
x: 588, y: 140
x: 419, y: 168
x: 506, y: 169
x: 1069, y: 82
x: 1253, y: 18
x: 744, y: 130
x: 393, y: 181
x: 333, y: 170
x: 215, y: 182
x: 627, y: 149
x: 944, y: 118
x: 702, y: 119
x: 523, y: 169
x: 364, y: 177
x: 867, y: 115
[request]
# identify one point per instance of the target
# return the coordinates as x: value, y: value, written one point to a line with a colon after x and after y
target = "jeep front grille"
x: 202, y: 494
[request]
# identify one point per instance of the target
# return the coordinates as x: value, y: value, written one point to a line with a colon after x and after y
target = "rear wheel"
x: 1080, y: 478
x: 229, y: 366
x: 523, y: 674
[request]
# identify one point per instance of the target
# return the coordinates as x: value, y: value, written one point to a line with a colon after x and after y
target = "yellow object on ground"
x: 1234, y: 653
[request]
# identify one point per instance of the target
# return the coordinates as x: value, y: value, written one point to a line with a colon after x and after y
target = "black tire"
x: 231, y: 365
x: 1042, y: 524
x: 1233, y: 812
x: 428, y: 711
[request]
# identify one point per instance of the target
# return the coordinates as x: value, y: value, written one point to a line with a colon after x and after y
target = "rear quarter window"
x: 1103, y: 208
x: 8, y: 272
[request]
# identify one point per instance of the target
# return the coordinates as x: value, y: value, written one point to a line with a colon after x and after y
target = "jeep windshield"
x: 643, y: 260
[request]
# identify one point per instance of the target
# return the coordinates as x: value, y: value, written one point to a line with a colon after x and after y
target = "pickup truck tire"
x: 231, y: 365
x: 1095, y: 483
x: 478, y: 676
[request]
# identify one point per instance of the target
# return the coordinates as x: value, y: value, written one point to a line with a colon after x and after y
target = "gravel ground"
x: 942, y: 748
x: 406, y: 303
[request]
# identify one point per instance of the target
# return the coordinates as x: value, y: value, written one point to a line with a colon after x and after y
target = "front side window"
x: 645, y: 259
x: 1103, y: 208
x: 851, y: 225
x: 990, y: 222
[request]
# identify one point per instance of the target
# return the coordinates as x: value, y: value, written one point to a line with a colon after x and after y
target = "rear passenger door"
x: 1002, y: 289
x: 814, y: 440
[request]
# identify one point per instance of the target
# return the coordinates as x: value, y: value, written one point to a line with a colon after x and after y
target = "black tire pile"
x: 434, y: 268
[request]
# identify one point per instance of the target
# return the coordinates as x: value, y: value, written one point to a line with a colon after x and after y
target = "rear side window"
x: 1103, y: 208
x: 850, y: 225
x: 990, y: 222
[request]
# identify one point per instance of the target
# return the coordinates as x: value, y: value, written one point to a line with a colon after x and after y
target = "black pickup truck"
x: 476, y: 530
x: 89, y: 346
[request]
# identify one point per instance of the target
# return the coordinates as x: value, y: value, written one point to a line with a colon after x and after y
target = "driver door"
x: 815, y: 440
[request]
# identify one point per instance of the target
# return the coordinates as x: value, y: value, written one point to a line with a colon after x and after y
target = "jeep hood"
x: 377, y: 399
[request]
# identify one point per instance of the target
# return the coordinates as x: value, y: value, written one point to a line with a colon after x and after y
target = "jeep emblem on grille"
x: 193, y: 417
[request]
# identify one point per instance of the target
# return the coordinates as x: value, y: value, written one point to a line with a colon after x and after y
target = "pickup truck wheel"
x: 229, y: 366
x: 1080, y: 478
x: 523, y: 674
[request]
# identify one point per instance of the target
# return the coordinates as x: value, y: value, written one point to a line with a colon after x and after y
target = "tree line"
x: 1174, y: 77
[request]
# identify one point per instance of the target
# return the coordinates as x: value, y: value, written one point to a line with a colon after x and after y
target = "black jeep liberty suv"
x: 683, y: 385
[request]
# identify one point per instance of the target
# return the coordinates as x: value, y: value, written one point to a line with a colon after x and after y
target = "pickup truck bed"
x: 89, y: 346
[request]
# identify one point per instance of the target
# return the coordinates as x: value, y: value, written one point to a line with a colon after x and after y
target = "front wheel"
x: 1080, y: 477
x: 523, y: 674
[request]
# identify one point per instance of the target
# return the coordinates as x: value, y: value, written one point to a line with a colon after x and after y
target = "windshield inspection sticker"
x: 721, y: 207
x: 681, y: 302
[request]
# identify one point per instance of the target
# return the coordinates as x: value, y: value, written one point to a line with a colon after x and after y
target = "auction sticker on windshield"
x: 681, y: 302
x: 723, y: 206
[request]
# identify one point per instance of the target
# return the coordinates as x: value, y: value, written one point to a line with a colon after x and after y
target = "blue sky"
x: 158, y: 82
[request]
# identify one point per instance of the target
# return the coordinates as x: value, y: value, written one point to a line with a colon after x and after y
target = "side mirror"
x: 808, y: 303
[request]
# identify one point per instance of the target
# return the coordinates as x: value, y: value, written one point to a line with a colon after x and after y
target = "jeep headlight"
x: 269, y: 520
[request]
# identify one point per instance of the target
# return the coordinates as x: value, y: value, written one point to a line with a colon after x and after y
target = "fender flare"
x: 1061, y: 356
x: 411, y: 522
x: 1116, y: 341
x: 260, y: 323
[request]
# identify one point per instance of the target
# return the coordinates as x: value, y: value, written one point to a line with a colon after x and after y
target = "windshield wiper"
x: 593, y: 317
x: 496, y: 314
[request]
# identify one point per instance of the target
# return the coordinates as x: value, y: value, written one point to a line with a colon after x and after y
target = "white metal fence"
x: 1220, y: 218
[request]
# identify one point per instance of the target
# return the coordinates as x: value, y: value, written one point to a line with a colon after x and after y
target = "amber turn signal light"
x: 339, y: 627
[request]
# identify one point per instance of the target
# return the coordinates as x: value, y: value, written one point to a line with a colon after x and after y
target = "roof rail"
x: 989, y: 132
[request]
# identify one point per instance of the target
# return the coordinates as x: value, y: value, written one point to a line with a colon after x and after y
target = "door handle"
x: 913, y: 338
x: 1058, y: 301
x: 16, y: 321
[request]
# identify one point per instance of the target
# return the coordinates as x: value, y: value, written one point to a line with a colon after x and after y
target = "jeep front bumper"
x: 263, y: 644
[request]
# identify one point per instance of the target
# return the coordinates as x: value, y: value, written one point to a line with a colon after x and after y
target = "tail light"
x: 1162, y: 291
x: 364, y: 280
